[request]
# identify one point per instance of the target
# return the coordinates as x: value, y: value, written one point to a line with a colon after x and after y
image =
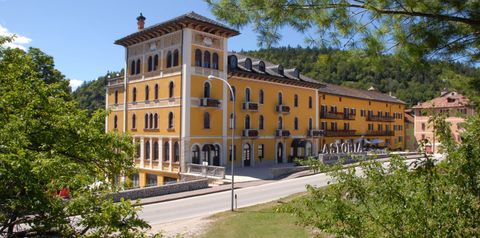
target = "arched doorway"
x: 207, y: 150
x: 216, y: 155
x: 196, y: 154
x: 280, y: 152
x: 247, y: 154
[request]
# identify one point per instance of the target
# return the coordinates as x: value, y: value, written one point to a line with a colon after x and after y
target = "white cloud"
x: 18, y: 42
x: 75, y: 83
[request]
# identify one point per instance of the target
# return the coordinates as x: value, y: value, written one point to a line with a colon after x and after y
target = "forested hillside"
x: 410, y: 82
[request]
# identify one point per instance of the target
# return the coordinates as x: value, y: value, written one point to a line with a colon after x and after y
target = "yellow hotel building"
x: 178, y: 117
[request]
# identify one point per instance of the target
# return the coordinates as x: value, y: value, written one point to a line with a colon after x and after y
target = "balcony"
x: 380, y: 118
x: 337, y: 115
x: 315, y: 133
x: 209, y: 102
x: 380, y: 133
x: 282, y: 109
x: 115, y: 81
x: 250, y: 133
x: 250, y: 106
x: 282, y: 133
x: 339, y: 133
x: 207, y: 71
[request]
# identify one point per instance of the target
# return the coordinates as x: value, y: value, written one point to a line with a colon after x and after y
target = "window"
x: 155, y: 123
x: 150, y: 64
x: 310, y: 102
x: 400, y: 139
x: 232, y: 152
x: 310, y: 123
x: 147, y: 150
x: 423, y: 126
x: 215, y: 61
x: 324, y: 125
x: 151, y: 180
x: 260, y: 122
x: 135, y: 181
x: 206, y: 89
x: 247, y: 122
x: 261, y: 66
x: 156, y: 92
x: 147, y: 93
x: 206, y: 120
x: 176, y: 152
x: 333, y: 126
x: 151, y: 121
x: 166, y: 151
x: 146, y: 121
x: 280, y: 123
x: 295, y: 100
x: 346, y: 126
x: 198, y: 58
x: 175, y: 58
x: 134, y: 94
x: 261, y: 149
x: 116, y: 96
x: 170, y: 90
x: 295, y: 123
x: 155, y: 62
x: 206, y: 59
x: 137, y: 71
x: 132, y: 67
x: 134, y: 121
x: 115, y: 122
x: 380, y: 127
x: 170, y: 120
x: 247, y: 95
x: 232, y: 121
x: 370, y: 127
x: 232, y: 96
x: 280, y: 99
x: 260, y: 96
x: 155, y: 150
x: 169, y: 59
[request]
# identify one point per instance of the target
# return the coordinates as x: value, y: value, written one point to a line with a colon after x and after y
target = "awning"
x: 298, y: 143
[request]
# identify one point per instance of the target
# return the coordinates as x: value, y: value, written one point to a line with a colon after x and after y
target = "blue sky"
x: 80, y: 34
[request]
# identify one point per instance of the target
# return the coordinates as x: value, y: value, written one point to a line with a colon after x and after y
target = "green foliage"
x: 423, y: 198
x: 48, y: 144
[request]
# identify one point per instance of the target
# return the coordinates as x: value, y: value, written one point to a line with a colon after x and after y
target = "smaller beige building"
x: 454, y: 104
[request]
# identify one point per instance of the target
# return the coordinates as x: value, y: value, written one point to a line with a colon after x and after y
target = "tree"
x: 47, y: 145
x: 442, y: 28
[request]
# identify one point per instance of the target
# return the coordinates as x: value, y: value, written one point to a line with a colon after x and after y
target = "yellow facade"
x: 178, y: 117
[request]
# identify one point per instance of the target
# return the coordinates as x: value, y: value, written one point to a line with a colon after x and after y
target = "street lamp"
x: 211, y: 77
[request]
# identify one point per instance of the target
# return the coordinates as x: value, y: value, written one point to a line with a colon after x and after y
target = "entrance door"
x: 280, y: 153
x: 246, y: 154
x: 216, y: 156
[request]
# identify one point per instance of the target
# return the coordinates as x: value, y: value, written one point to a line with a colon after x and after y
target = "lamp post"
x: 211, y: 77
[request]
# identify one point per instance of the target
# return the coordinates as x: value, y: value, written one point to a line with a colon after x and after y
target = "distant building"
x: 454, y: 104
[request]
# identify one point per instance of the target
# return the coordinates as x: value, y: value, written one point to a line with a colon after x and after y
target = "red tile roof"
x: 446, y: 100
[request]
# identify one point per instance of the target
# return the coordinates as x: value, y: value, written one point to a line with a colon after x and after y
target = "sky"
x: 80, y: 34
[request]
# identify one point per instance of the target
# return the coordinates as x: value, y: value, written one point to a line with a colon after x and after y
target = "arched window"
x: 261, y: 66
x: 206, y: 59
x: 295, y: 100
x: 231, y: 96
x: 260, y: 96
x: 134, y: 121
x: 156, y: 92
x: 310, y: 124
x: 155, y: 150
x: 198, y: 58
x: 116, y: 96
x: 206, y: 89
x: 146, y: 121
x: 134, y: 94
x: 169, y: 59
x: 151, y: 121
x: 280, y: 99
x: 248, y: 64
x: 150, y: 64
x: 247, y: 122
x: 170, y: 120
x: 166, y: 152
x: 310, y: 102
x: 280, y: 123
x: 132, y: 67
x: 295, y: 123
x: 176, y: 152
x: 232, y: 121
x: 206, y: 120
x: 155, y: 62
x: 147, y: 93
x: 147, y: 150
x: 247, y: 95
x: 260, y: 122
x: 139, y: 64
x: 155, y: 122
x: 196, y: 154
x: 170, y: 90
x: 175, y: 58
x: 115, y: 122
x: 215, y: 61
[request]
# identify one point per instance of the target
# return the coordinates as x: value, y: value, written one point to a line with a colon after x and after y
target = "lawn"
x: 256, y: 221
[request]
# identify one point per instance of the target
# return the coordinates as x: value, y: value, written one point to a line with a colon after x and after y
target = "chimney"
x: 140, y: 22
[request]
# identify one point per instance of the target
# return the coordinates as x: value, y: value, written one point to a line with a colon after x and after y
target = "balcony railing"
x: 115, y: 81
x: 339, y: 133
x: 315, y: 133
x: 209, y: 102
x: 250, y: 133
x: 250, y: 106
x: 282, y: 109
x: 282, y: 133
x: 380, y: 118
x: 208, y: 71
x: 380, y: 133
x: 337, y: 115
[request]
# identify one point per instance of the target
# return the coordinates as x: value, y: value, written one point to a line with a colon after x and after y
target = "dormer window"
x: 261, y: 66
x: 280, y: 69
x: 232, y: 62
x: 296, y: 73
x: 248, y: 64
x: 450, y: 100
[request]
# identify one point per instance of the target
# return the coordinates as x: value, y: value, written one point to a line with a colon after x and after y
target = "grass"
x: 256, y: 221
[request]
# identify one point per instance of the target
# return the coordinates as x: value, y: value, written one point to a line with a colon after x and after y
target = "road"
x: 205, y: 205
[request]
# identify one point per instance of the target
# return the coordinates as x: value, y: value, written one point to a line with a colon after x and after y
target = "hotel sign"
x: 343, y: 148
